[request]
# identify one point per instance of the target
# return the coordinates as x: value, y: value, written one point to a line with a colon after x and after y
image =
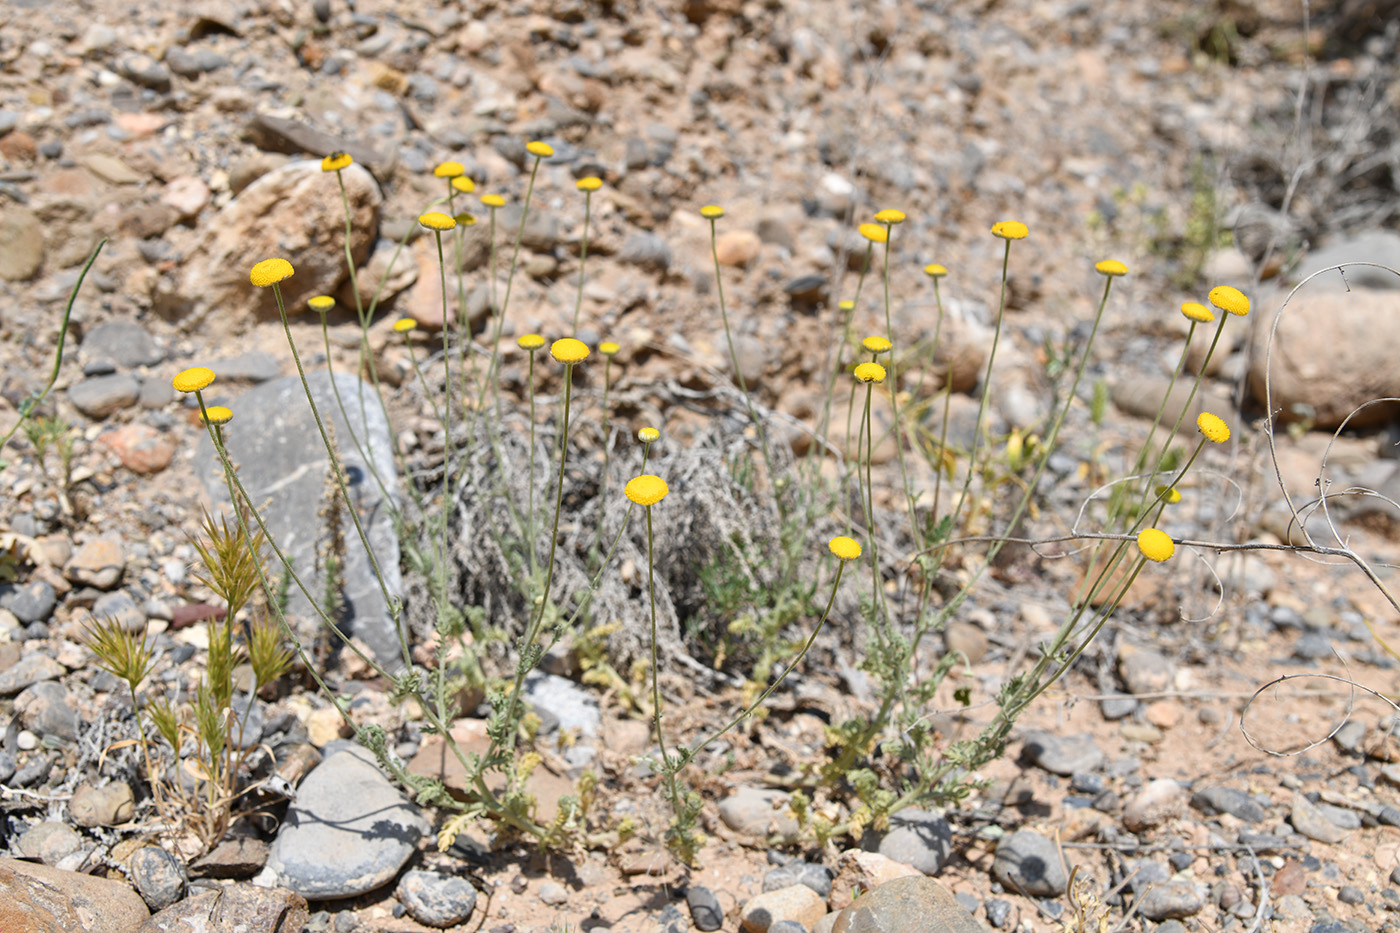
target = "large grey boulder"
x: 282, y: 463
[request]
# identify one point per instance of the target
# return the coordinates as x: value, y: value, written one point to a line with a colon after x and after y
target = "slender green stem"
x: 734, y: 356
x: 532, y: 631
x: 583, y: 256
x: 391, y: 603
x: 28, y: 405
x: 893, y: 379
x: 447, y: 491
x: 699, y: 744
x: 607, y: 450
x: 530, y: 521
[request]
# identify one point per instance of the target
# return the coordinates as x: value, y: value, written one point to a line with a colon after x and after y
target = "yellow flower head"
x: 321, y: 303
x: 335, y: 162
x: 847, y: 305
x: 591, y: 183
x: 531, y: 342
x: 1213, y: 427
x: 193, y: 379
x: 1155, y: 544
x: 608, y: 348
x: 876, y: 344
x: 870, y: 372
x: 845, y: 548
x: 216, y: 414
x: 875, y: 233
x: 935, y: 271
x: 1229, y: 299
x: 648, y: 435
x: 890, y: 216
x: 449, y: 169
x: 464, y: 184
x: 1195, y: 311
x: 270, y: 271
x: 437, y: 220
x: 465, y: 220
x: 1010, y: 230
x: 569, y: 350
x: 1170, y: 494
x: 493, y: 200
x: 712, y: 212
x: 539, y: 150
x: 404, y: 324
x: 646, y: 489
x: 1111, y: 267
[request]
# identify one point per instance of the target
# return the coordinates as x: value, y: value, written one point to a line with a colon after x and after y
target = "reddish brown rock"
x: 140, y: 447
x: 39, y: 899
x: 293, y: 212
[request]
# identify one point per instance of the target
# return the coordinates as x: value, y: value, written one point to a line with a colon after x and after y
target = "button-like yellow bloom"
x: 1010, y: 230
x: 890, y: 216
x: 569, y: 350
x: 465, y: 220
x: 269, y: 271
x: 321, y: 303
x: 934, y: 270
x: 1195, y: 311
x: 464, y: 184
x: 193, y: 379
x: 539, y: 150
x: 876, y: 344
x: 216, y: 414
x: 449, y: 169
x: 437, y: 220
x: 1155, y: 544
x: 608, y: 348
x: 1213, y: 427
x: 845, y: 548
x: 493, y: 200
x: 1229, y: 299
x: 847, y: 305
x: 712, y: 212
x: 404, y: 324
x: 591, y: 183
x: 870, y: 372
x: 875, y: 233
x: 335, y: 162
x: 1111, y: 267
x: 646, y: 489
x: 1170, y: 494
x: 648, y: 435
x: 531, y: 342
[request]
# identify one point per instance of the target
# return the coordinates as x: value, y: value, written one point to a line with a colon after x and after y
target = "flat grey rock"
x: 348, y: 832
x: 125, y: 343
x: 282, y: 463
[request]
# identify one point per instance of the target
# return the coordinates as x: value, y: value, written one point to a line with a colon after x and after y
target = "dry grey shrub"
x: 709, y: 510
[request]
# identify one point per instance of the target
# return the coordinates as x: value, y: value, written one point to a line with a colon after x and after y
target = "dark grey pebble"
x: 1312, y: 646
x: 435, y: 899
x: 1063, y: 754
x: 704, y: 907
x: 998, y: 912
x: 1028, y: 862
x: 787, y: 926
x: 1237, y: 803
x: 7, y: 766
x: 646, y: 250
x: 816, y: 877
x: 1350, y: 894
x: 159, y: 877
x: 1086, y: 782
x: 30, y: 602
